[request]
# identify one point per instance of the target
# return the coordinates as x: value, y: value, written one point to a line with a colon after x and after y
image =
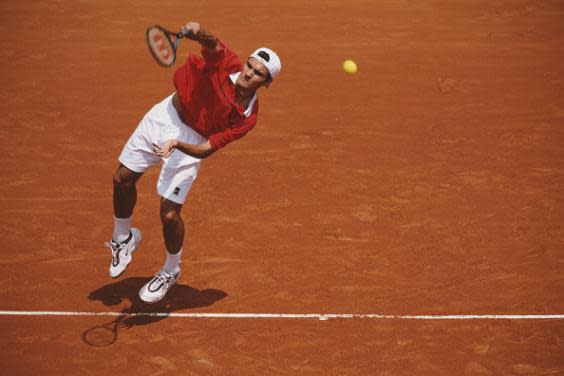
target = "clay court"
x: 430, y: 184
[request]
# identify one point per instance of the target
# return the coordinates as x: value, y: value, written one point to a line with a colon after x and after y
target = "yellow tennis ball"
x: 349, y: 66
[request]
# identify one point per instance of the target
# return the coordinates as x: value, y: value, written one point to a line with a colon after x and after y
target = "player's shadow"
x: 179, y: 297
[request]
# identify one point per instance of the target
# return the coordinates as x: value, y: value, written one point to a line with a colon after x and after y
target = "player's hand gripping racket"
x: 163, y: 43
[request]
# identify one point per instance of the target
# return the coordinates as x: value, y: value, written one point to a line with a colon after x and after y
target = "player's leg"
x: 136, y: 158
x: 174, y: 185
x: 125, y: 197
x: 177, y: 175
x: 173, y: 231
x: 125, y: 192
x: 125, y: 239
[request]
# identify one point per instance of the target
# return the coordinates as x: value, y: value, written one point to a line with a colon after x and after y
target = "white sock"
x: 121, y: 229
x: 172, y: 263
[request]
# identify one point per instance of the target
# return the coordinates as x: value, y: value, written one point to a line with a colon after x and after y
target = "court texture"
x: 404, y: 220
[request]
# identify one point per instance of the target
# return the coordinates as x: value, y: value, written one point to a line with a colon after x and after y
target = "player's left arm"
x: 199, y: 151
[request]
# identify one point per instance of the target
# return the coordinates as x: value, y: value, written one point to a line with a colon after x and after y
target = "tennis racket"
x: 162, y: 44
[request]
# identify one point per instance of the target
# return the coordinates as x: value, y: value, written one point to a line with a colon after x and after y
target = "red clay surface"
x: 431, y: 182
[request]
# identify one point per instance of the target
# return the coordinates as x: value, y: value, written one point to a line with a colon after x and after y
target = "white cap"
x: 270, y: 60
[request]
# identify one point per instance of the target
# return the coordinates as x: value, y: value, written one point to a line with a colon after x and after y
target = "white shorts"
x: 179, y: 171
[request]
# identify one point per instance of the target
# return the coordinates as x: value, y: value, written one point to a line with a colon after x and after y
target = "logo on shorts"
x: 176, y: 190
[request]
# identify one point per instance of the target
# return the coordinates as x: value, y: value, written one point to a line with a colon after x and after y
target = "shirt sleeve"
x: 216, y: 58
x: 235, y: 132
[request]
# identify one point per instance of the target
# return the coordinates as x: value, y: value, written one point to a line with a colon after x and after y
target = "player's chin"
x: 243, y: 84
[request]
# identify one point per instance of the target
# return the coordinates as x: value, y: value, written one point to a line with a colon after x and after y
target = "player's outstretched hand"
x: 165, y: 149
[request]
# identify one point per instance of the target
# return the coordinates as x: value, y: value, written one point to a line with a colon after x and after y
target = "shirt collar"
x: 249, y: 109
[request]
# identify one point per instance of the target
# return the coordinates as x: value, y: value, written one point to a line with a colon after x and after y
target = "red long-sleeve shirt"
x: 207, y: 93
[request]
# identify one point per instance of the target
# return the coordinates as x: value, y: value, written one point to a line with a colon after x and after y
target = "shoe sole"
x: 139, y: 238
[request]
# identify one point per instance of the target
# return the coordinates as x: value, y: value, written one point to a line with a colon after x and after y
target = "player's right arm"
x: 197, y: 33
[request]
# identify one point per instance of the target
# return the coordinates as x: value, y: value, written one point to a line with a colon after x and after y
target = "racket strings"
x: 161, y: 46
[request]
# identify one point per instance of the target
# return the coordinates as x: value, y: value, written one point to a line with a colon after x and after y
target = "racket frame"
x: 169, y: 36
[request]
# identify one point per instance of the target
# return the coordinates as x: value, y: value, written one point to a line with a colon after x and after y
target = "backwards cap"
x: 269, y: 59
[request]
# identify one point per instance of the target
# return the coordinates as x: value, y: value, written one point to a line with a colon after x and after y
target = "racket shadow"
x: 180, y: 297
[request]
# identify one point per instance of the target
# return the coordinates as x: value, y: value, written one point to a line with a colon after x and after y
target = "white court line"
x: 319, y: 316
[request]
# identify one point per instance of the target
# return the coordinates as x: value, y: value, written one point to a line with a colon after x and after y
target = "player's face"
x: 253, y: 75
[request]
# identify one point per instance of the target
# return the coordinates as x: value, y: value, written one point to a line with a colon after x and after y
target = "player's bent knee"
x: 170, y: 217
x: 123, y: 181
x: 120, y: 182
x: 116, y: 179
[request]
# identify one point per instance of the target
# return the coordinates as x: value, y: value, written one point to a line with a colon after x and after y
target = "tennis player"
x: 215, y: 103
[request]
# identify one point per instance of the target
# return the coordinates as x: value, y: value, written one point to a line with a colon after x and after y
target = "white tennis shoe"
x: 122, y: 253
x: 156, y: 288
